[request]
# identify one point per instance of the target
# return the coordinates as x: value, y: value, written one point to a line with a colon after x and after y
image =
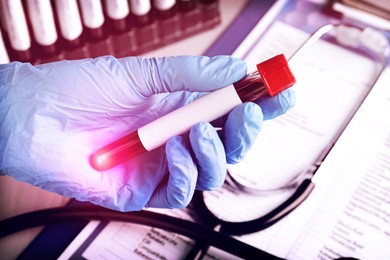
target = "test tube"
x: 3, y: 22
x: 3, y: 51
x: 186, y: 5
x: 272, y: 76
x: 117, y: 11
x: 93, y: 18
x: 141, y: 11
x: 140, y: 7
x: 43, y: 26
x: 16, y: 28
x: 69, y: 19
x: 165, y: 10
x: 163, y: 5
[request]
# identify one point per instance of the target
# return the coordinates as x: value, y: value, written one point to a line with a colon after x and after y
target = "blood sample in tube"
x: 117, y: 11
x: 272, y: 76
x: 186, y: 5
x: 16, y: 28
x: 93, y: 18
x: 69, y: 20
x: 3, y: 23
x: 163, y: 5
x: 3, y: 51
x: 165, y: 10
x: 141, y: 11
x: 43, y: 25
x: 140, y: 7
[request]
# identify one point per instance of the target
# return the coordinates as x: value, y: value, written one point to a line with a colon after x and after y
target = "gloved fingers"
x: 277, y: 105
x: 178, y: 189
x: 271, y: 106
x: 241, y: 129
x: 189, y: 73
x: 210, y: 156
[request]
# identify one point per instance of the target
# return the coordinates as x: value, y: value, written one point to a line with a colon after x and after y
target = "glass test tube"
x: 70, y: 21
x: 16, y: 28
x: 92, y: 16
x: 43, y: 25
x: 164, y: 5
x: 4, y: 58
x: 117, y: 11
x: 140, y: 7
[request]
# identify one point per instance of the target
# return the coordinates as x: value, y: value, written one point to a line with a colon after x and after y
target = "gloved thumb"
x: 177, y: 73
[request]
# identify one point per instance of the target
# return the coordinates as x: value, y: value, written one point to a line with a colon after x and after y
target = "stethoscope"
x: 377, y: 46
x: 210, y: 230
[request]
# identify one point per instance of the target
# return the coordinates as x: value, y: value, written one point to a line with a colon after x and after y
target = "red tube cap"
x: 276, y: 74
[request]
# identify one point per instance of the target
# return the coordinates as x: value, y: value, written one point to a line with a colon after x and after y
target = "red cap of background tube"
x: 276, y: 74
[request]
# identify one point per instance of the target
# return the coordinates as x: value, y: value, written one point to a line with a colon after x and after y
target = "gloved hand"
x: 54, y: 116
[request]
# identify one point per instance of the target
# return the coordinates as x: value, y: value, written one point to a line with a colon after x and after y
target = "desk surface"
x: 18, y: 197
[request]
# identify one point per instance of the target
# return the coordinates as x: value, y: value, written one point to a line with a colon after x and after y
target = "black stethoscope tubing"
x: 206, y: 217
x: 200, y: 234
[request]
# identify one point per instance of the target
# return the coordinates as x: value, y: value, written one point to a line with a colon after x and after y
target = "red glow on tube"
x: 117, y: 152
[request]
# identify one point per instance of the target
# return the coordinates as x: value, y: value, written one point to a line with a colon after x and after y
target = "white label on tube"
x: 180, y: 121
x: 92, y: 13
x: 117, y: 9
x: 16, y: 24
x: 140, y: 7
x: 42, y: 20
x: 69, y: 19
x: 164, y: 4
x: 3, y: 52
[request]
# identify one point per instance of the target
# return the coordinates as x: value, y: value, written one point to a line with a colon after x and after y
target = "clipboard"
x: 54, y: 238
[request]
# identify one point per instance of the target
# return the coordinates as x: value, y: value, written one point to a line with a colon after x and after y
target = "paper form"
x: 131, y: 241
x: 117, y: 240
x: 353, y: 191
x: 348, y: 212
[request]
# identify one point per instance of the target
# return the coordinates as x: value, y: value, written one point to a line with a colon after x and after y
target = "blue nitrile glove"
x: 54, y: 116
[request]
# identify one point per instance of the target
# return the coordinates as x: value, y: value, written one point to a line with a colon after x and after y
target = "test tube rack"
x: 134, y: 35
